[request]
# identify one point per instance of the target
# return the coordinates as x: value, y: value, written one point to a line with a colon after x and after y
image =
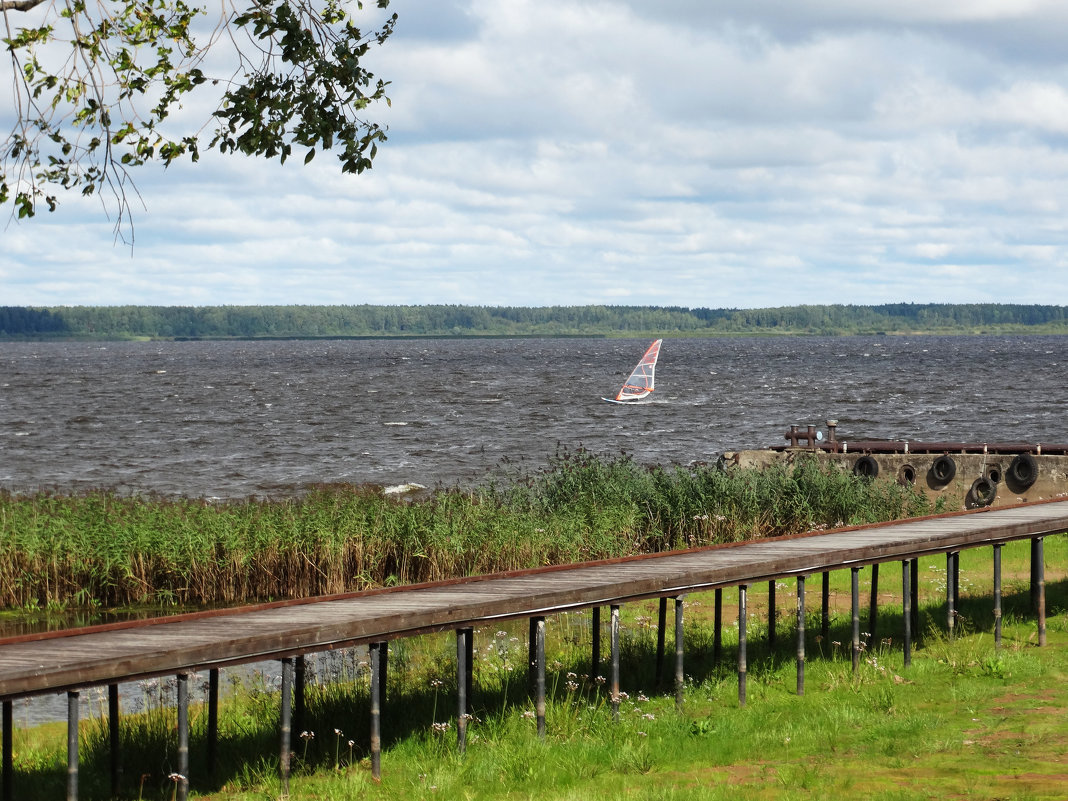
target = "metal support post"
x: 469, y: 676
x: 113, y: 737
x: 997, y: 595
x: 906, y: 608
x: 7, y: 787
x: 383, y: 673
x: 679, y: 652
x: 956, y: 583
x: 771, y: 615
x: 285, y: 744
x: 800, y: 635
x: 375, y: 650
x: 1040, y: 564
x: 825, y: 607
x: 855, y: 583
x: 614, y: 687
x: 532, y: 644
x: 951, y: 613
x: 72, y: 746
x: 595, y: 656
x: 742, y: 590
x: 378, y: 653
x: 213, y: 720
x: 873, y: 604
x: 717, y: 628
x: 461, y: 686
x: 914, y: 587
x: 1034, y: 574
x: 539, y: 701
x: 661, y: 626
x: 183, y: 737
x: 299, y: 675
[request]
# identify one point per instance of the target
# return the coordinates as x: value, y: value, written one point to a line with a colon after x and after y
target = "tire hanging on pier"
x: 1023, y: 472
x: 866, y: 467
x: 943, y: 469
x: 982, y: 492
x: 906, y: 475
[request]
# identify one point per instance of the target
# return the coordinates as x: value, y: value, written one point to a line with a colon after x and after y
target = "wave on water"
x: 400, y: 489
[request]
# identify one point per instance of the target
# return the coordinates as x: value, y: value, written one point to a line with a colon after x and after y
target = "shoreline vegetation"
x: 120, y: 323
x: 98, y: 550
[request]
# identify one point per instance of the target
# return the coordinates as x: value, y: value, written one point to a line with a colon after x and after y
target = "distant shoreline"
x: 762, y: 334
x: 372, y: 322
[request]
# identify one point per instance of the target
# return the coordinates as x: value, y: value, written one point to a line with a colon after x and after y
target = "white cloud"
x: 729, y: 154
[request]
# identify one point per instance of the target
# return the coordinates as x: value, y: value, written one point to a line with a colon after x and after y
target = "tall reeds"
x: 101, y: 549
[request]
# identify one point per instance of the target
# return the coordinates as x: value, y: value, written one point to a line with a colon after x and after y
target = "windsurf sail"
x: 639, y: 383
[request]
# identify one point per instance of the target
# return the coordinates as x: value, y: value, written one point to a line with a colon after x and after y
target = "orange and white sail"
x: 639, y: 383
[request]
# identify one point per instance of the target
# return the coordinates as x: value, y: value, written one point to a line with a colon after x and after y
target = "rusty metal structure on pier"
x: 813, y: 440
x: 954, y: 475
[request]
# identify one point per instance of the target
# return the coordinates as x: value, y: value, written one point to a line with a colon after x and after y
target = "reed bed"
x: 99, y: 549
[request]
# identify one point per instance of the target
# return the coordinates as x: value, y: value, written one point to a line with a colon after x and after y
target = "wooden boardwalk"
x: 107, y: 655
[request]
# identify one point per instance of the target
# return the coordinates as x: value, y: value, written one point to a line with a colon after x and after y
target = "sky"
x: 696, y: 153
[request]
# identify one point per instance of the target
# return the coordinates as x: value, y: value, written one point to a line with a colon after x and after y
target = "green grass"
x: 964, y: 721
x: 100, y: 551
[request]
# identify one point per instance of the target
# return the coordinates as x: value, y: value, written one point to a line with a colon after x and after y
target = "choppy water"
x: 230, y: 419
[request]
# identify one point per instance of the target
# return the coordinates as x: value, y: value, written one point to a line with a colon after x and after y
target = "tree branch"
x: 19, y: 5
x: 83, y: 120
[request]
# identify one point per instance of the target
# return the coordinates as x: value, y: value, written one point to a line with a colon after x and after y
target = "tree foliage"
x: 218, y: 322
x: 98, y: 85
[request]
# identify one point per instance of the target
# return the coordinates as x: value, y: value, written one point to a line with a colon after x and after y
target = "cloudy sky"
x: 720, y: 153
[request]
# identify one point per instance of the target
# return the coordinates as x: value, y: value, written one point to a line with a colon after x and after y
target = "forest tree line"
x: 223, y: 322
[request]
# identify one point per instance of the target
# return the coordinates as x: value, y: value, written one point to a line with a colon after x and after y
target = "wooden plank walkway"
x: 117, y: 653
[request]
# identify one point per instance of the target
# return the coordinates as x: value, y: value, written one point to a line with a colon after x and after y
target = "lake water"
x: 232, y: 419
